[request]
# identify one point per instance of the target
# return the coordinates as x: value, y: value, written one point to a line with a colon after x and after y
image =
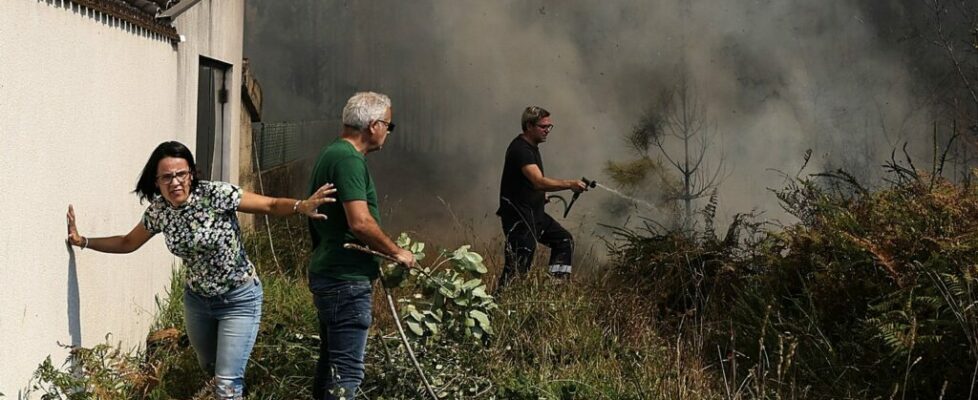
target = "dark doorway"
x: 212, y: 140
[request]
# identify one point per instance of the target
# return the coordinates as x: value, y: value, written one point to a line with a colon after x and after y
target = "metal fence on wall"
x: 278, y: 143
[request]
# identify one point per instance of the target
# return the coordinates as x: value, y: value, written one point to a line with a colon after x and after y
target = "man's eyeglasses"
x: 390, y: 125
x: 167, y: 179
x: 546, y: 127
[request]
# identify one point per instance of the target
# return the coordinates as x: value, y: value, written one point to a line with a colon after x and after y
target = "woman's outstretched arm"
x: 127, y: 243
x: 253, y: 203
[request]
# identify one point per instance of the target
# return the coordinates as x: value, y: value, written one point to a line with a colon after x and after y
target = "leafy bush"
x: 870, y: 294
x: 449, y: 297
x: 101, y: 372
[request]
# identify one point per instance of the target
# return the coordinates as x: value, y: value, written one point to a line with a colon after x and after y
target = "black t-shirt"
x: 517, y: 197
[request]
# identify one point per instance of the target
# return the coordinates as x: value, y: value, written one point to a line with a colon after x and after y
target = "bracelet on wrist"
x: 84, y: 243
x: 295, y: 207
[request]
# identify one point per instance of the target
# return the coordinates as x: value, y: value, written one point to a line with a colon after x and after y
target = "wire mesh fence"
x: 278, y: 143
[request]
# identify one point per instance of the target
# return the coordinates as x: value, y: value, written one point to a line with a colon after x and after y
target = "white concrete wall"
x: 83, y: 101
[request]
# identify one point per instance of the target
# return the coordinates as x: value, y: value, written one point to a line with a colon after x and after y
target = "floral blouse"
x: 205, y: 234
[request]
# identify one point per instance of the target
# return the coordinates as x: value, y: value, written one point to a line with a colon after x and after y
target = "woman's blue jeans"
x: 222, y: 330
x: 344, y: 309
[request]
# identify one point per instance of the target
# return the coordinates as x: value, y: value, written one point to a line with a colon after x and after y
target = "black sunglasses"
x: 390, y: 125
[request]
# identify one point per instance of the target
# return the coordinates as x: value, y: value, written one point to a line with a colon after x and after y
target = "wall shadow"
x: 74, y: 300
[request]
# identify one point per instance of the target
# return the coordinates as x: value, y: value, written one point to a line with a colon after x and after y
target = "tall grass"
x: 554, y: 340
x: 871, y: 295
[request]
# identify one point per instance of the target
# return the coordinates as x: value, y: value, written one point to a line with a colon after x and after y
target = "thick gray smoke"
x: 775, y: 78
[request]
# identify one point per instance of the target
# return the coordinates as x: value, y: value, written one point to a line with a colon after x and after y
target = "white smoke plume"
x: 775, y: 77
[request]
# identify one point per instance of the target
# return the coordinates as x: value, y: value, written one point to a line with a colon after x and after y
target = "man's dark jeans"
x: 344, y: 309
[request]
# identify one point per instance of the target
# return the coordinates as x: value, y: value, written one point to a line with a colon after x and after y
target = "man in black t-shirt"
x: 522, y: 194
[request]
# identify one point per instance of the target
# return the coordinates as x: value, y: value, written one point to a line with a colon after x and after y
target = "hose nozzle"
x: 588, y: 183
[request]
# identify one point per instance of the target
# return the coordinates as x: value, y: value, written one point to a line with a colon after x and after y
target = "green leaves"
x: 415, y: 327
x: 480, y: 316
x: 103, y: 371
x: 448, y: 299
x: 393, y: 275
x: 483, y: 320
x: 468, y: 260
x: 417, y: 248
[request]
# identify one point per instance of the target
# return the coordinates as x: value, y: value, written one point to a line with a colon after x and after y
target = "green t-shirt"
x: 342, y: 165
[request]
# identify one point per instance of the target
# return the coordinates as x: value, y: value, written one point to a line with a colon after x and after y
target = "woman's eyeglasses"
x: 167, y: 179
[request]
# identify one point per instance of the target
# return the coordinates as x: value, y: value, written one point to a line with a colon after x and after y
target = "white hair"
x: 364, y: 108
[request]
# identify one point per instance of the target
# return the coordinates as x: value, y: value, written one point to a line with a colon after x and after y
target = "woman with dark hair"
x: 223, y: 297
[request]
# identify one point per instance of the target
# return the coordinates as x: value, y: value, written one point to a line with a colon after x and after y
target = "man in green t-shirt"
x: 340, y: 279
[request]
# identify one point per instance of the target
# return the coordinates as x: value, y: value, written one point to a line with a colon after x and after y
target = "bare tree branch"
x: 944, y: 42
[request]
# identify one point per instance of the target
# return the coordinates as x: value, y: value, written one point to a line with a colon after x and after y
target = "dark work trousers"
x: 521, y: 245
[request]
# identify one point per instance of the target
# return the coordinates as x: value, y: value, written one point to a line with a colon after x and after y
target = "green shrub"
x: 870, y: 294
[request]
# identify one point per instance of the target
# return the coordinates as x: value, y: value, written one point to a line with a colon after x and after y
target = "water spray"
x: 625, y: 196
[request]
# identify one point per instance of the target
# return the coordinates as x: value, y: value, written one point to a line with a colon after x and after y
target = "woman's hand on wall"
x: 73, y: 237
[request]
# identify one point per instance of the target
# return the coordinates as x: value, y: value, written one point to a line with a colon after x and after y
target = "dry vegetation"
x: 870, y: 295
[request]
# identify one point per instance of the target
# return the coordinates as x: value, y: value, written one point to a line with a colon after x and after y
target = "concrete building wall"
x: 214, y: 29
x: 84, y: 99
